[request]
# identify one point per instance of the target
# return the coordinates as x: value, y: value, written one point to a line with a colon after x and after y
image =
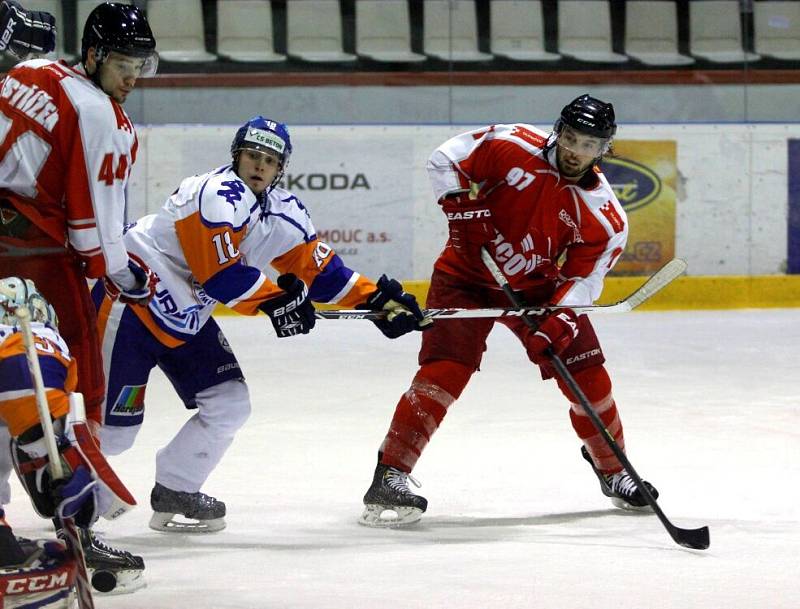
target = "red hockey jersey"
x: 551, y: 233
x: 66, y: 151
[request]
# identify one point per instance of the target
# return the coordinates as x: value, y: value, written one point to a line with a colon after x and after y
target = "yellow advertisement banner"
x: 643, y: 175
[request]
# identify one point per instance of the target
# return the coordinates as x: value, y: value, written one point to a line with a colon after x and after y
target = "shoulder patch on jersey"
x: 529, y: 136
x: 609, y: 210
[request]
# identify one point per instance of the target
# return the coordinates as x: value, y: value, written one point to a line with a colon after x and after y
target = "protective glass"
x: 581, y: 143
x: 127, y: 66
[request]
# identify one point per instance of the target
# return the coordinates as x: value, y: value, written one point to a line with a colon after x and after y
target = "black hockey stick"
x: 661, y: 278
x: 82, y: 585
x: 697, y: 539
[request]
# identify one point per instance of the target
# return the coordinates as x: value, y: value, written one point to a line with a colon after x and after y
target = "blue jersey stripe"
x: 231, y: 282
x: 15, y: 376
x: 330, y: 281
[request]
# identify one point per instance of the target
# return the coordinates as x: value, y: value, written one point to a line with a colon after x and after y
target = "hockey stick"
x: 82, y: 585
x: 697, y: 539
x: 661, y: 278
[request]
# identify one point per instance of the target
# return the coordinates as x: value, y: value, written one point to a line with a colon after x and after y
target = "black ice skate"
x: 621, y: 488
x: 389, y: 502
x: 111, y: 571
x: 205, y: 514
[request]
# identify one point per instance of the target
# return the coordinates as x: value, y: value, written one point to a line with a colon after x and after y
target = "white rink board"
x: 357, y: 180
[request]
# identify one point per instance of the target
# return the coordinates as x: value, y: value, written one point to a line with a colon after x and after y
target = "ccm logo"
x: 469, y: 215
x: 37, y: 583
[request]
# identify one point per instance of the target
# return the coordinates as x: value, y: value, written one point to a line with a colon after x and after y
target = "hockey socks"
x: 420, y: 411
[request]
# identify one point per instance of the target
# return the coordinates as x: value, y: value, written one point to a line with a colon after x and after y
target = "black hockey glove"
x: 24, y: 33
x: 403, y: 314
x: 292, y: 312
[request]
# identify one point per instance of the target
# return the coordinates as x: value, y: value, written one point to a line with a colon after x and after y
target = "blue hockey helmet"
x: 264, y: 135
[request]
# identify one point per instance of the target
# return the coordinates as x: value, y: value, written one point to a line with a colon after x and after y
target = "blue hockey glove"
x: 292, y: 312
x: 403, y: 314
x: 24, y: 33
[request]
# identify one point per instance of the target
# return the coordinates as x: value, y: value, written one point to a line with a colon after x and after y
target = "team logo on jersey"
x: 634, y: 184
x: 130, y: 401
x: 224, y: 342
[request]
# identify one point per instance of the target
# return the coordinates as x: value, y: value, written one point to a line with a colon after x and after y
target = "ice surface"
x: 516, y: 518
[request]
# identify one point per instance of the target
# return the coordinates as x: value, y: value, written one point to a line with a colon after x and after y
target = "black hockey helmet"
x: 122, y: 28
x: 588, y: 115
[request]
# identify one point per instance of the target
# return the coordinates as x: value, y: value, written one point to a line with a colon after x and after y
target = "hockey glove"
x: 138, y: 291
x: 292, y: 312
x: 24, y: 33
x: 469, y: 222
x: 403, y: 314
x: 556, y: 332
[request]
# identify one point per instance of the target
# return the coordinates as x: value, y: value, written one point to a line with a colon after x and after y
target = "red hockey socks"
x: 420, y: 411
x: 596, y: 385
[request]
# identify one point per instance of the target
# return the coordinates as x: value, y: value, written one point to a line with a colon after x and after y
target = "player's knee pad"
x: 448, y: 375
x: 226, y: 406
x: 593, y: 381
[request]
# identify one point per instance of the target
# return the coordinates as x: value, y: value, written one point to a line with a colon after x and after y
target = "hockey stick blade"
x: 697, y: 539
x: 658, y: 281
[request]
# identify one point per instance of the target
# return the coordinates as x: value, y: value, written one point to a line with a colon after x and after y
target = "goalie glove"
x: 403, y: 314
x: 25, y: 33
x: 291, y: 312
x: 556, y: 332
x: 137, y: 288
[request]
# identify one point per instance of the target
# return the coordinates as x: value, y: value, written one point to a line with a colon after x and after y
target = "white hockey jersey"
x: 212, y: 242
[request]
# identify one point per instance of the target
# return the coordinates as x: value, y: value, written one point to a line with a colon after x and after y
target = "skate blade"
x: 624, y: 505
x: 387, y: 516
x: 165, y: 522
x: 113, y: 583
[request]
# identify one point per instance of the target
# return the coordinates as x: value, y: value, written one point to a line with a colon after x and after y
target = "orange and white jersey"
x: 213, y: 241
x: 552, y: 234
x: 66, y: 151
x: 17, y: 396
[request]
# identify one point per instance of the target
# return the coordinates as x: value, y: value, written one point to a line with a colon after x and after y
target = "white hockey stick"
x: 82, y: 584
x: 660, y: 279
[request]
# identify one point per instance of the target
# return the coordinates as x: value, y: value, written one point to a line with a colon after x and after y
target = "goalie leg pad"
x: 44, y: 580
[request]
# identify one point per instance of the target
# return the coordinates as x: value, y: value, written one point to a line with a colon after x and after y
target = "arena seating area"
x: 433, y: 35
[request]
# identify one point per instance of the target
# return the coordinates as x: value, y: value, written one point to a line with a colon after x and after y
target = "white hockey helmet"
x: 17, y: 292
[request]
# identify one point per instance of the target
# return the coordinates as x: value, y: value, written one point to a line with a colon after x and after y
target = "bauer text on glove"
x: 403, y: 314
x: 25, y: 33
x: 291, y: 312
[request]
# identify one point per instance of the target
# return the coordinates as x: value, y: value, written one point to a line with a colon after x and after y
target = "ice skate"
x: 389, y: 502
x: 621, y: 488
x: 111, y: 571
x: 199, y: 513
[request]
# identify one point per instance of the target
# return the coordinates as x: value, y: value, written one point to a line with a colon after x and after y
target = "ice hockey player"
x: 67, y: 151
x: 213, y: 242
x: 550, y: 220
x: 25, y: 34
x: 41, y: 573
